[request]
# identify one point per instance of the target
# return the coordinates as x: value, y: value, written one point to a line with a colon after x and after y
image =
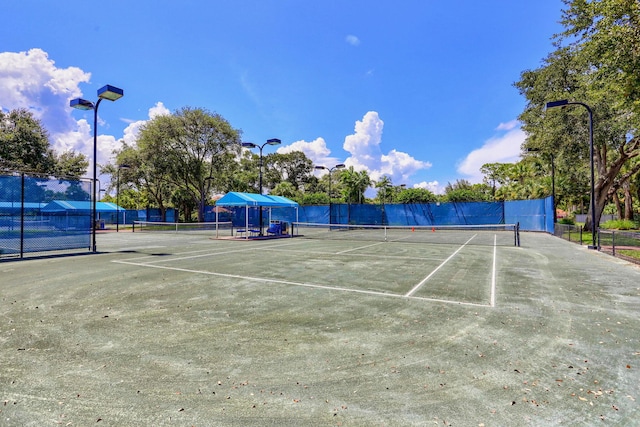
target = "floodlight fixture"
x: 81, y: 104
x: 553, y: 104
x: 111, y: 93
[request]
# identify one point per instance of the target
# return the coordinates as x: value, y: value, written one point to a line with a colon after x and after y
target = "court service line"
x: 306, y: 285
x: 423, y: 281
x: 370, y: 256
x: 207, y: 252
x: 358, y: 248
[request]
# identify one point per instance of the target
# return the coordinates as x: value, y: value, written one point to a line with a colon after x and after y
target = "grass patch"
x: 587, y: 237
x: 630, y: 253
x: 620, y: 224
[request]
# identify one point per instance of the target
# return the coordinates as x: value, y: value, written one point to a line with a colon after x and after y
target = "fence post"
x: 613, y: 242
x: 22, y: 215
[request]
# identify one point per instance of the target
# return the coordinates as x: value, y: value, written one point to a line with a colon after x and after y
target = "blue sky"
x: 418, y: 90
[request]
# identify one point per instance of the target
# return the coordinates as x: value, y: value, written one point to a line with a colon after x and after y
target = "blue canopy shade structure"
x: 255, y: 200
x: 13, y: 207
x: 259, y: 201
x: 80, y: 206
x: 73, y: 213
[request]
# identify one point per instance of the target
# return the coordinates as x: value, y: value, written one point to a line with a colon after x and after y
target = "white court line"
x: 419, y: 285
x: 358, y: 248
x: 274, y: 247
x: 307, y: 285
x: 136, y: 248
x: 371, y: 256
x: 207, y: 253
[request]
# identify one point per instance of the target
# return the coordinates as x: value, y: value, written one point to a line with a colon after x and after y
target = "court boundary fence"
x: 618, y: 243
x: 30, y: 224
x: 532, y: 215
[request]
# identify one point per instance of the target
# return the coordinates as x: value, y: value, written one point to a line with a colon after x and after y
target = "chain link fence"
x: 572, y: 233
x: 621, y: 244
x: 31, y: 221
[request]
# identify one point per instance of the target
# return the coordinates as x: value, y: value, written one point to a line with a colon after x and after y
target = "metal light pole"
x: 111, y: 93
x: 338, y: 166
x: 272, y: 141
x: 563, y: 103
x: 118, y: 196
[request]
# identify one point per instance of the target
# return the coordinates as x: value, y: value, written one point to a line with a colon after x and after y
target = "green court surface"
x: 184, y: 330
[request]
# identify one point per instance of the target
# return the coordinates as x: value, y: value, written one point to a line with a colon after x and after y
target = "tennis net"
x: 491, y: 234
x: 208, y: 228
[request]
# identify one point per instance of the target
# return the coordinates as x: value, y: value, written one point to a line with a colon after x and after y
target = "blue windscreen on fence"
x: 28, y: 225
x: 533, y: 215
x: 469, y: 213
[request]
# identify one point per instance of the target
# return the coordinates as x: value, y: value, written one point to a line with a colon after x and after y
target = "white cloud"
x: 316, y: 150
x: 365, y: 153
x: 399, y: 165
x: 353, y: 40
x: 32, y: 81
x: 509, y: 125
x: 503, y: 149
x: 364, y: 147
x: 131, y: 131
x: 433, y: 186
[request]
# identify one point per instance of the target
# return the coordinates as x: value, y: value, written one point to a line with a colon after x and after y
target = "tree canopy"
x: 183, y: 157
x: 596, y: 62
x: 25, y: 146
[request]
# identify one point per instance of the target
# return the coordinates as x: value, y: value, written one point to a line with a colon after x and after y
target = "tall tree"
x: 384, y: 187
x: 189, y: 150
x: 355, y: 183
x: 24, y: 143
x: 596, y: 62
x: 146, y: 174
x: 463, y: 191
x: 606, y: 35
x: 286, y: 189
x: 294, y: 167
x: 71, y: 164
x: 415, y: 195
x: 495, y: 174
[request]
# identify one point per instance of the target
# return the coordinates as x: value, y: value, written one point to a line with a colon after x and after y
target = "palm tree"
x: 285, y: 189
x: 355, y: 184
x: 384, y: 187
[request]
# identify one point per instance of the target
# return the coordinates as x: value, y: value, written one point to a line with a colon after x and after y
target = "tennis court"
x: 362, y: 263
x: 182, y: 329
